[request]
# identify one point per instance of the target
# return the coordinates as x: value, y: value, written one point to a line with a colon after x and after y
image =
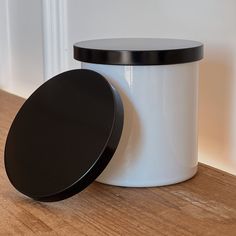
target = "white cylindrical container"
x: 158, y: 82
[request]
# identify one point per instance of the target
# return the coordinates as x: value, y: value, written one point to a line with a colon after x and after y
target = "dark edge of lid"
x: 98, y: 167
x: 126, y: 57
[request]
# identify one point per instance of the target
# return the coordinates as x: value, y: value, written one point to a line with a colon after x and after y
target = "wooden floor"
x: 204, y: 205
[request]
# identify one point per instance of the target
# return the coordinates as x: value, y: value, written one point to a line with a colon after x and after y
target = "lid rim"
x: 99, y: 162
x: 162, y: 56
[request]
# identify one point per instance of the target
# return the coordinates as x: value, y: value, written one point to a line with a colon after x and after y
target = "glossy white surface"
x: 159, y: 140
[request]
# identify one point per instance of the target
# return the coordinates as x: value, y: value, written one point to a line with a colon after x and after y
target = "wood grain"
x: 204, y: 205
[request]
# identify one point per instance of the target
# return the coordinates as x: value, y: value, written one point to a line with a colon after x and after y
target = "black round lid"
x: 64, y: 135
x: 138, y: 51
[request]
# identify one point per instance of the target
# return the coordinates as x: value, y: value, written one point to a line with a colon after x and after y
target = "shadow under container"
x: 157, y: 80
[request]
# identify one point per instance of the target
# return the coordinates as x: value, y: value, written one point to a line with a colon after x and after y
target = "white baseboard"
x: 55, y: 37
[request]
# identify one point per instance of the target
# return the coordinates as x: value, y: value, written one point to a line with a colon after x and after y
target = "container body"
x: 158, y: 145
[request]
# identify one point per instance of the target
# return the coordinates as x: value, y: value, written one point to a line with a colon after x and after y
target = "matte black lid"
x: 64, y: 135
x: 138, y: 51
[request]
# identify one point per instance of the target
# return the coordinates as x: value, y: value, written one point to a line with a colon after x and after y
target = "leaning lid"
x: 64, y: 135
x: 138, y: 51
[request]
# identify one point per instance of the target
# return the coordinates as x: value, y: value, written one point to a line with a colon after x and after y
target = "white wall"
x: 22, y: 60
x: 4, y: 45
x: 213, y: 22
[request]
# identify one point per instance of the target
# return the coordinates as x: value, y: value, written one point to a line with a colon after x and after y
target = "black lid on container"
x: 64, y: 135
x: 138, y: 51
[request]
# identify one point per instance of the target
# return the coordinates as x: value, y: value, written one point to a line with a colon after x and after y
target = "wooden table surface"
x: 204, y: 205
